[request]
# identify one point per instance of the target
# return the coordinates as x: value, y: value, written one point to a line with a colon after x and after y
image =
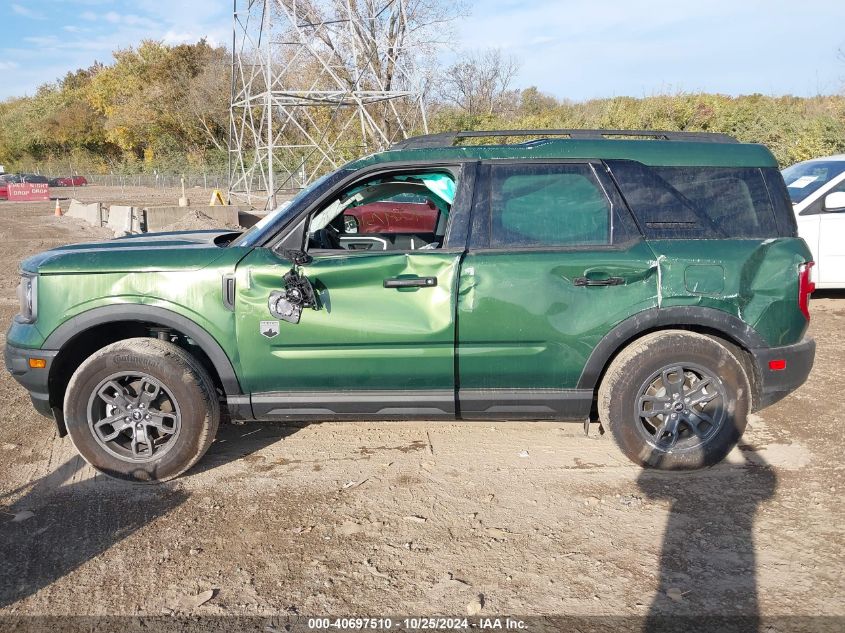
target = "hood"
x: 151, y: 252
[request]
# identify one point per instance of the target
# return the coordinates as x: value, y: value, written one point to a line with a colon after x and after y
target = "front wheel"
x: 675, y: 400
x: 141, y: 410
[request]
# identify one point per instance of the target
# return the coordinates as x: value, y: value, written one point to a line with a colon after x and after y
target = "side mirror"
x: 835, y: 201
x: 299, y: 258
x: 287, y: 304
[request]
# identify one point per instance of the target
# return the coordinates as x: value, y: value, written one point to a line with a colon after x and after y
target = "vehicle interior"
x: 393, y: 212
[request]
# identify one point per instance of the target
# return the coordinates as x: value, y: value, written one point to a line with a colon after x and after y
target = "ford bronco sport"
x: 652, y: 280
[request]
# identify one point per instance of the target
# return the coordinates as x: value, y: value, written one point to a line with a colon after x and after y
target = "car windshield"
x: 283, y: 212
x: 805, y: 178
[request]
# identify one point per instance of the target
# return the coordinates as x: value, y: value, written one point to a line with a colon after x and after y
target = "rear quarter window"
x: 700, y: 202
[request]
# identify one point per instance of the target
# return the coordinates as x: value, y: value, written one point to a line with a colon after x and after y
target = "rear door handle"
x: 410, y: 282
x: 607, y: 281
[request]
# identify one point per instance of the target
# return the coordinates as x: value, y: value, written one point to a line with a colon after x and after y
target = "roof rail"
x: 448, y: 139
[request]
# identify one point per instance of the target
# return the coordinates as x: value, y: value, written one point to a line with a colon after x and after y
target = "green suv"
x: 651, y: 280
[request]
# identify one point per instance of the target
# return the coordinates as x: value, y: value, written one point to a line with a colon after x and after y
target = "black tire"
x: 655, y: 429
x: 175, y: 427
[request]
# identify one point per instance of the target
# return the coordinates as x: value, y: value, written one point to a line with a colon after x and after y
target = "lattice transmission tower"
x: 316, y: 83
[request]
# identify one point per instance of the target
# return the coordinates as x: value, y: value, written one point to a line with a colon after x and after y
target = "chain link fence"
x: 284, y: 181
x: 160, y: 181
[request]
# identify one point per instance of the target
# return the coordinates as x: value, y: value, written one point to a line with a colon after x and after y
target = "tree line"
x: 165, y: 108
x: 155, y: 107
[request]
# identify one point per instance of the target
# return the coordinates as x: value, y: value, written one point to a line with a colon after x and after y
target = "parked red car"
x: 4, y: 191
x: 406, y: 214
x: 69, y: 181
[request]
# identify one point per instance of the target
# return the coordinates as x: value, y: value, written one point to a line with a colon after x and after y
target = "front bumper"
x: 34, y: 380
x: 774, y: 384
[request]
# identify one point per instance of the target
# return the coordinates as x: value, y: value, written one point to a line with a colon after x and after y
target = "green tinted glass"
x: 548, y: 205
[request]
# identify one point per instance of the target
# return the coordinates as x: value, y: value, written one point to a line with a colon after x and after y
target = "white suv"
x: 817, y: 189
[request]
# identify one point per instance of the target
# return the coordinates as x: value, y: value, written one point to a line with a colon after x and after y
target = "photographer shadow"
x: 708, y: 567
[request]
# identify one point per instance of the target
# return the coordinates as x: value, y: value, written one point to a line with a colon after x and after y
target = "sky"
x: 574, y: 49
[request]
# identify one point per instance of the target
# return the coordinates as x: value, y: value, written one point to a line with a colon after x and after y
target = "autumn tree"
x: 159, y: 99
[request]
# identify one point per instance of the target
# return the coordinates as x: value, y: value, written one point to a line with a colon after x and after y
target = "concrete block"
x: 247, y: 219
x: 159, y: 218
x: 91, y: 213
x: 124, y: 220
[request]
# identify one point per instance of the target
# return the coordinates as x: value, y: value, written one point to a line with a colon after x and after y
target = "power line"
x: 309, y: 89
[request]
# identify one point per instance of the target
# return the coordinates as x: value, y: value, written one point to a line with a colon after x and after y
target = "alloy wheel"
x: 681, y: 407
x: 134, y: 417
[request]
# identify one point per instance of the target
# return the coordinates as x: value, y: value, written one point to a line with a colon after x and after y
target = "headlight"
x: 28, y: 298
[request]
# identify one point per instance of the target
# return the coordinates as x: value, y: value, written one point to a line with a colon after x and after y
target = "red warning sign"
x: 29, y: 191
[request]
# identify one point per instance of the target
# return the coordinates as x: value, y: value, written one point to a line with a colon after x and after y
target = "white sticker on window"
x: 802, y: 182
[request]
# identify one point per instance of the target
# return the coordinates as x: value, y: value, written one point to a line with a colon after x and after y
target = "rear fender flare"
x: 719, y: 321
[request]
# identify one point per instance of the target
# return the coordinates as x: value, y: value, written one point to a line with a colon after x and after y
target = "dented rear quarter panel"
x: 754, y: 280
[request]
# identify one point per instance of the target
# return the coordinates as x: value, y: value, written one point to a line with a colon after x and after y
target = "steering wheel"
x: 327, y: 238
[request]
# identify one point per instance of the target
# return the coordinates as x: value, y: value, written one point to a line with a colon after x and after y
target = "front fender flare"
x: 153, y: 314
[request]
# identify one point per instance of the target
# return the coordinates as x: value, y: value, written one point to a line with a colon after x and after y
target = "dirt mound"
x: 198, y: 221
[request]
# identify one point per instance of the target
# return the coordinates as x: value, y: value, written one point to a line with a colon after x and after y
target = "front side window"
x: 401, y: 211
x: 554, y: 205
x: 288, y: 210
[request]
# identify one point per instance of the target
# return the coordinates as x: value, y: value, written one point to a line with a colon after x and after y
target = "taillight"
x: 805, y: 288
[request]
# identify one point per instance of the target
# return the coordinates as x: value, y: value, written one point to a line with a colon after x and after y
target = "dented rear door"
x: 533, y: 303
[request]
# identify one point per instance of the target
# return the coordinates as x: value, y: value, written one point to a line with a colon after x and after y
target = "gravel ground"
x: 426, y: 518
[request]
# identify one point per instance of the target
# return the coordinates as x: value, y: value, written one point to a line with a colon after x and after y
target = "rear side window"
x: 548, y: 205
x: 697, y: 202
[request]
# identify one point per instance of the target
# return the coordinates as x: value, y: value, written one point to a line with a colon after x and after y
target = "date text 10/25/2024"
x: 420, y: 623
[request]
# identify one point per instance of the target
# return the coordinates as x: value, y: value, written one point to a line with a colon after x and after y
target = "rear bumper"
x: 34, y: 380
x: 774, y: 384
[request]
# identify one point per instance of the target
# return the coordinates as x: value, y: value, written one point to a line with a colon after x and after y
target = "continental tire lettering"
x: 147, y: 363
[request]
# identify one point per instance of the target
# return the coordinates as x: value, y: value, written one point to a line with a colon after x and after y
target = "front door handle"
x: 410, y: 282
x: 607, y: 281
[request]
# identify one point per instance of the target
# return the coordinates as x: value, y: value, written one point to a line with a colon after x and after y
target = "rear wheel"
x: 675, y: 400
x: 141, y: 410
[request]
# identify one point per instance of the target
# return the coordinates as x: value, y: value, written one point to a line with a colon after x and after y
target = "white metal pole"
x: 268, y: 39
